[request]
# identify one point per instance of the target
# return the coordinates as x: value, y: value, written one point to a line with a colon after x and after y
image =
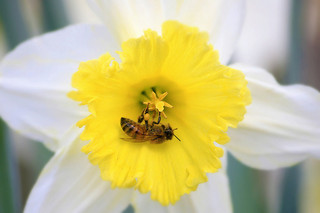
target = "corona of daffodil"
x: 109, y: 99
x: 207, y: 98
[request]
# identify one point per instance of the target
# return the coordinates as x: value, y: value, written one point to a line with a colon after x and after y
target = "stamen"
x: 156, y: 103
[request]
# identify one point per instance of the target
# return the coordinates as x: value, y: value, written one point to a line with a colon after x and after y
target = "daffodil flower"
x: 176, y: 49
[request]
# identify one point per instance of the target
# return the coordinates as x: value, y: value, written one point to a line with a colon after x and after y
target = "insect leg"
x: 159, y: 119
x: 157, y: 140
x: 144, y: 112
x: 147, y: 124
x: 141, y: 117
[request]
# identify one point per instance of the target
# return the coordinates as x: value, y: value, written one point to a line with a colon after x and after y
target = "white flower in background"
x: 280, y: 127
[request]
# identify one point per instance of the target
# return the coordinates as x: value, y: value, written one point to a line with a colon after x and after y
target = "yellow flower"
x: 185, y: 60
x: 207, y: 96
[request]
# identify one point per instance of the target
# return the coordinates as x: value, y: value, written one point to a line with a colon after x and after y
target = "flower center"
x: 151, y: 95
x: 176, y: 77
x: 154, y: 103
x: 161, y: 94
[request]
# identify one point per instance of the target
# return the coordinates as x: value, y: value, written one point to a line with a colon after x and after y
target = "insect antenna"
x: 176, y: 137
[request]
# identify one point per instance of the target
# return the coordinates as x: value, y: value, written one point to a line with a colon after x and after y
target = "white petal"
x: 36, y: 77
x: 222, y: 19
x: 129, y: 18
x: 212, y: 196
x: 69, y: 183
x: 281, y: 126
x: 264, y: 37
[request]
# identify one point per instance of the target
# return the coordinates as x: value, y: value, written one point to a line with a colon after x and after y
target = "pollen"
x: 157, y: 104
x: 179, y: 67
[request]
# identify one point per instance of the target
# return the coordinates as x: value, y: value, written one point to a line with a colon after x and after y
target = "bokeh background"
x: 282, y: 36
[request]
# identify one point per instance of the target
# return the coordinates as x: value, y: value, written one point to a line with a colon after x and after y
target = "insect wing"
x: 137, y: 140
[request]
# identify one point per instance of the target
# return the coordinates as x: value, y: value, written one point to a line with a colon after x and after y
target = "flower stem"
x: 10, y: 200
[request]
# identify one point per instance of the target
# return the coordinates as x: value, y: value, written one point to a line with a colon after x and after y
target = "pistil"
x: 157, y: 104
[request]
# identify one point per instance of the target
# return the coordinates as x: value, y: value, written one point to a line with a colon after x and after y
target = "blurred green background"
x: 281, y: 36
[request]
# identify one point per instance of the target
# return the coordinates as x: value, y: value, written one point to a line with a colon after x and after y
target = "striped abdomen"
x: 133, y: 129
